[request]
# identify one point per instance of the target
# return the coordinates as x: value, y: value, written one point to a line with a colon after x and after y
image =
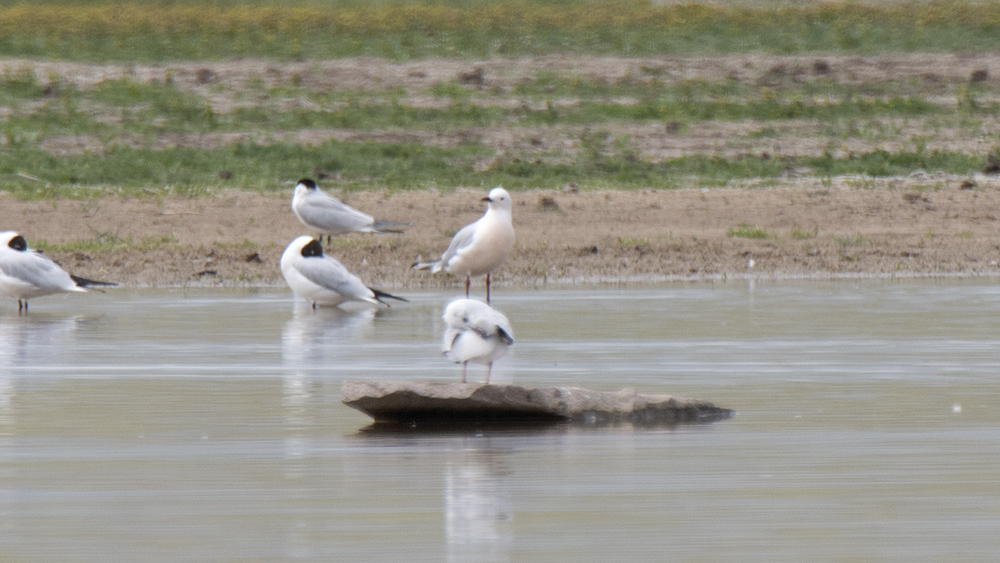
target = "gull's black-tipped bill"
x: 84, y: 282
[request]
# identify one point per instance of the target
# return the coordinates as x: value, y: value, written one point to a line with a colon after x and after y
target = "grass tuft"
x: 843, y: 243
x: 633, y: 241
x: 746, y: 231
x: 108, y: 241
x: 799, y: 234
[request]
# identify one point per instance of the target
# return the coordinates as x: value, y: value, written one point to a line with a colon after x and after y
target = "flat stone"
x: 439, y: 402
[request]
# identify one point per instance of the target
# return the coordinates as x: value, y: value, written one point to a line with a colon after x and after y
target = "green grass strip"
x: 162, y: 31
x: 35, y: 174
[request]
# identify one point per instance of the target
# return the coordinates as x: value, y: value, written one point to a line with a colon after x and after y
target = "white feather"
x: 26, y: 273
x: 475, y: 332
x: 479, y: 247
x: 329, y: 216
x: 321, y: 279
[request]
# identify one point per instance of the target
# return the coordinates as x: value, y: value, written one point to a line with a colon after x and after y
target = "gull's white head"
x: 498, y: 199
x: 456, y: 314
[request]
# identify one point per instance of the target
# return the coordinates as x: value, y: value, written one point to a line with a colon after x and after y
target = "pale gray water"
x: 207, y: 426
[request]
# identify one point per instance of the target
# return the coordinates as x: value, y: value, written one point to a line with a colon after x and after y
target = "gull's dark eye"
x: 313, y: 249
x: 18, y: 243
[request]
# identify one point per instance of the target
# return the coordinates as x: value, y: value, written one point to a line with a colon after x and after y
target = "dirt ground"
x: 924, y: 224
x: 811, y: 229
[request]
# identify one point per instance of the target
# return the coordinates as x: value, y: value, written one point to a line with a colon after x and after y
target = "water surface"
x: 207, y: 425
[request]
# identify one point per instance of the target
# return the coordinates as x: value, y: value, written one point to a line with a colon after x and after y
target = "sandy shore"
x: 810, y: 229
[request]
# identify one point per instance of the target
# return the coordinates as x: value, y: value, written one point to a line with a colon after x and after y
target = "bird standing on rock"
x: 475, y: 332
x: 479, y: 247
x: 321, y: 279
x: 26, y: 273
x: 330, y: 217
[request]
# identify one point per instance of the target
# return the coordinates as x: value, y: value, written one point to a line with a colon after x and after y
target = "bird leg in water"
x: 464, y: 366
x: 489, y: 372
x: 468, y: 280
x: 487, y: 288
x: 22, y: 306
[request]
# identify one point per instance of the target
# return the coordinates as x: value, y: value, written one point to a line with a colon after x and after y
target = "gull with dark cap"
x: 26, y: 273
x: 321, y: 279
x: 329, y: 216
x: 479, y: 247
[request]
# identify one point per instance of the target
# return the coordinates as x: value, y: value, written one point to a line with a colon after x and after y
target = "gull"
x: 475, y: 332
x: 479, y: 247
x: 26, y: 273
x: 330, y: 217
x: 321, y: 279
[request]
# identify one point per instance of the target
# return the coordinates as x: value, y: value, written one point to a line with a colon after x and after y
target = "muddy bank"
x: 807, y: 228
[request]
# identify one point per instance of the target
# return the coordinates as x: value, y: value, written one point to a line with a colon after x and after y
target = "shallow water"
x: 207, y: 425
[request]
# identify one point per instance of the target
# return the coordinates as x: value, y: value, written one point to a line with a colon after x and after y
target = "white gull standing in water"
x: 321, y: 279
x: 479, y: 247
x: 26, y: 273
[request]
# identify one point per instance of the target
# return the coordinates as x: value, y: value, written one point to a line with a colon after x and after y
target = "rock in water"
x: 439, y: 402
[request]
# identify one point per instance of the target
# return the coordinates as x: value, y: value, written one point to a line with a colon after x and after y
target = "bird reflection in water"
x: 310, y: 335
x: 26, y: 343
x: 310, y: 343
x: 478, y: 512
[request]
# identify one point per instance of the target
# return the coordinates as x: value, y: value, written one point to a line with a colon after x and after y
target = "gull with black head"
x: 26, y: 273
x: 321, y: 279
x: 331, y: 217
